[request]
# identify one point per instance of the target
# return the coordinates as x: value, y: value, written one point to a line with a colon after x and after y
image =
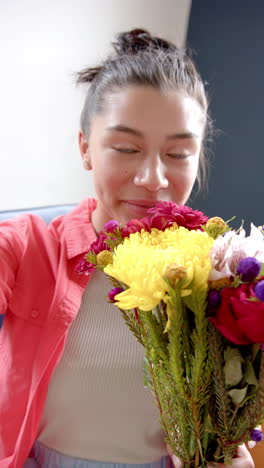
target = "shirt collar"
x: 78, y: 230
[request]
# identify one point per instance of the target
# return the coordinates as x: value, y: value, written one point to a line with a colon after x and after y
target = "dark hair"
x: 143, y: 60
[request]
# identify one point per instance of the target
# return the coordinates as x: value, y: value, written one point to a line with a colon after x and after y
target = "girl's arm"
x: 11, y: 249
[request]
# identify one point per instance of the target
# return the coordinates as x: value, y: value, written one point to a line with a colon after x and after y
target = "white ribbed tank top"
x: 97, y: 407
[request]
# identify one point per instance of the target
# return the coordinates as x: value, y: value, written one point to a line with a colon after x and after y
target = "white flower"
x: 232, y: 247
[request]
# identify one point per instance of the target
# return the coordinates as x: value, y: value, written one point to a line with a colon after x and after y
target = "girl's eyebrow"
x: 133, y: 131
x: 182, y: 136
x: 124, y: 129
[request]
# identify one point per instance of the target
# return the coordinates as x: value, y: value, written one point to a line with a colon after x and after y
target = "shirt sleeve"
x: 12, y: 246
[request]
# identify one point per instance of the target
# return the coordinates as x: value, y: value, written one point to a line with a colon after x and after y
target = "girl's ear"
x: 84, y: 150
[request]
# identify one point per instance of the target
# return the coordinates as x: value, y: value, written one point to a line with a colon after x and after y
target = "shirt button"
x: 34, y: 313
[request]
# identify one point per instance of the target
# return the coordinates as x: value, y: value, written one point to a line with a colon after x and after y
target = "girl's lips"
x: 142, y: 203
x: 139, y: 207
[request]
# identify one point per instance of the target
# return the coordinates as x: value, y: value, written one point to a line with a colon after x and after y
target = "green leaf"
x: 250, y: 376
x: 147, y: 376
x: 261, y: 273
x: 233, y: 366
x: 238, y: 394
x: 192, y: 445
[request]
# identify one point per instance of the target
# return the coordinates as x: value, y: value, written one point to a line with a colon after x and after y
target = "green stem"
x: 234, y: 415
x: 158, y: 343
x: 162, y: 416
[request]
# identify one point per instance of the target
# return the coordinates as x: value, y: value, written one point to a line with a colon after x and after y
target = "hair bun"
x: 136, y: 40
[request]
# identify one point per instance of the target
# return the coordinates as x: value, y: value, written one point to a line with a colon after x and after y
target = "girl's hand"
x: 243, y: 460
x: 177, y: 463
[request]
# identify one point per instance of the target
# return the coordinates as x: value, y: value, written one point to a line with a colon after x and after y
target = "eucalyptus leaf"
x: 230, y: 352
x: 238, y: 395
x: 233, y: 366
x: 250, y: 376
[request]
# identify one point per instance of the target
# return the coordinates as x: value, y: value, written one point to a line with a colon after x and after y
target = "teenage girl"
x: 72, y: 393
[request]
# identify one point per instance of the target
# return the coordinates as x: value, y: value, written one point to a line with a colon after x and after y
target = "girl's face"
x: 143, y: 148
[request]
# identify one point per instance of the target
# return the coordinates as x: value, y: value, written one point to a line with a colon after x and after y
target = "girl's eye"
x: 125, y: 150
x: 177, y: 156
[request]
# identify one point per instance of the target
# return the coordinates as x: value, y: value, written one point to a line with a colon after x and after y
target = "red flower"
x: 181, y: 214
x: 135, y: 225
x: 239, y: 319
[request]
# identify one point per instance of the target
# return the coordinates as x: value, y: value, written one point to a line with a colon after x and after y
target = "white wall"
x: 42, y: 44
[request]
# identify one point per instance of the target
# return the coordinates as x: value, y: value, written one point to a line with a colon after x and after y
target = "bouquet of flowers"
x: 191, y: 290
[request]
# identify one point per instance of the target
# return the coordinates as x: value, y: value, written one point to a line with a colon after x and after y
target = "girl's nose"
x: 151, y: 174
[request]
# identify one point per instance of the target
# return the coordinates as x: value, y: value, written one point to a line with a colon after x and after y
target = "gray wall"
x: 228, y: 37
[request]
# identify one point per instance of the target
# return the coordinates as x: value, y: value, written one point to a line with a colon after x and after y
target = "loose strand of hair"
x: 88, y: 75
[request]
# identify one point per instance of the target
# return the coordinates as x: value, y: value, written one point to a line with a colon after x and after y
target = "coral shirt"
x: 40, y: 293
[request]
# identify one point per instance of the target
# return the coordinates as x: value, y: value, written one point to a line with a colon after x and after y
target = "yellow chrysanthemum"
x: 141, y: 262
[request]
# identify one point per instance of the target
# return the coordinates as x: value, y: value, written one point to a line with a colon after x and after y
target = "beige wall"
x: 42, y: 43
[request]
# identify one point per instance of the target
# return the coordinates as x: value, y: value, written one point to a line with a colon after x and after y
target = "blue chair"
x: 47, y: 212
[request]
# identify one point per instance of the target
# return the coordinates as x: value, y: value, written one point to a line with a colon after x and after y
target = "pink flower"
x: 99, y: 244
x: 113, y: 292
x: 228, y: 251
x: 160, y: 222
x: 111, y: 226
x: 135, y: 225
x: 180, y: 214
x: 84, y: 267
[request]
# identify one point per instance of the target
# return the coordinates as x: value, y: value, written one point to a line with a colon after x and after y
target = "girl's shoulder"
x: 17, y: 232
x: 29, y: 231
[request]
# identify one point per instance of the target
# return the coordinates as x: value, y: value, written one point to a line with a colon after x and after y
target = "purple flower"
x: 111, y: 226
x: 262, y: 347
x: 256, y: 435
x: 114, y: 293
x: 214, y: 298
x: 259, y: 290
x: 248, y: 268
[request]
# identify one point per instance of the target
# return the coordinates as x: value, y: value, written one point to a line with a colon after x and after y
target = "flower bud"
x: 248, y: 268
x: 175, y: 272
x: 216, y: 221
x: 104, y: 258
x: 259, y: 290
x: 111, y: 225
x: 216, y: 226
x: 256, y: 435
x: 114, y: 293
x: 214, y: 298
